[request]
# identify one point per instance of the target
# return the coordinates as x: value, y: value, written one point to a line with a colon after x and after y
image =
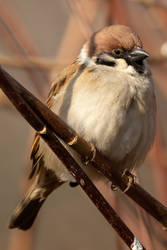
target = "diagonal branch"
x: 149, y: 4
x: 33, y: 110
x: 32, y: 62
x: 22, y: 99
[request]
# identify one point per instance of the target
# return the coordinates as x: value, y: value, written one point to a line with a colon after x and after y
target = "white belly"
x: 119, y: 120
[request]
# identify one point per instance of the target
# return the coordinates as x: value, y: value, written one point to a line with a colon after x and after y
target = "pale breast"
x: 114, y: 112
x: 117, y: 116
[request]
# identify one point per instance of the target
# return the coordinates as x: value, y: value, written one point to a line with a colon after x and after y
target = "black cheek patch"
x: 104, y: 62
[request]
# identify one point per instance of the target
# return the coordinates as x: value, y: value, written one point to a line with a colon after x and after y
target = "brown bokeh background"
x: 37, y: 39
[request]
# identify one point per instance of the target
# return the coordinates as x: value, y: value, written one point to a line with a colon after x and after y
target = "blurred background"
x: 38, y: 39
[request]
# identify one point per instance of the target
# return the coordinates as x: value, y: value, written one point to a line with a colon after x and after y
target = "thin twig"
x: 19, y: 41
x: 150, y: 4
x: 157, y: 59
x: 85, y: 25
x: 32, y: 62
x: 18, y: 95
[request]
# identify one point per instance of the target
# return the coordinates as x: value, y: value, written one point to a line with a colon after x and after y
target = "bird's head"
x: 112, y: 45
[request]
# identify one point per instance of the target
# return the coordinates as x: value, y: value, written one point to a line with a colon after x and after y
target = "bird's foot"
x: 87, y: 159
x: 114, y: 187
x: 131, y: 179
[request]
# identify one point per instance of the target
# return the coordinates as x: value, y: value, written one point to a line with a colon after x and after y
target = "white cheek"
x: 83, y: 57
x: 122, y: 66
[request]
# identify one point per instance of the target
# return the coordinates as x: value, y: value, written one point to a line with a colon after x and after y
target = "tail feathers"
x: 25, y: 214
x: 27, y: 210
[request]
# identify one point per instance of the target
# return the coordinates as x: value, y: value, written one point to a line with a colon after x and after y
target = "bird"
x: 107, y: 96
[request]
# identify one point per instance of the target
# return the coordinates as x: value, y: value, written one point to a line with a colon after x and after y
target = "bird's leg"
x: 87, y: 159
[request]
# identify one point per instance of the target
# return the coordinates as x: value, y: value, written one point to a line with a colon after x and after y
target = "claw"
x: 131, y: 179
x: 87, y: 159
x: 114, y: 187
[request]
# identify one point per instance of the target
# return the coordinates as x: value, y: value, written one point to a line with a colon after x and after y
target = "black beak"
x: 137, y: 56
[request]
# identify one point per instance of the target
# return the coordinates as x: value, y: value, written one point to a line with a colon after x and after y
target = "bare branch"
x: 20, y: 97
x: 77, y: 10
x: 33, y: 110
x: 151, y: 3
x: 32, y: 62
x: 39, y: 110
x: 19, y: 41
x: 157, y: 59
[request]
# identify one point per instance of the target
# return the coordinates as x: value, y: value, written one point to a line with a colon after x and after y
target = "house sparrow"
x: 107, y: 96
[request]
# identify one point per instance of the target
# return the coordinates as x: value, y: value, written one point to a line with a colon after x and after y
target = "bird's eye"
x: 117, y: 52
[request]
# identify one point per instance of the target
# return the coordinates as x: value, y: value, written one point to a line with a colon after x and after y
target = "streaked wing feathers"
x: 61, y: 79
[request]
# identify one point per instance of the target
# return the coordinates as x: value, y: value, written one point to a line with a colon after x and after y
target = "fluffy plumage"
x: 107, y: 96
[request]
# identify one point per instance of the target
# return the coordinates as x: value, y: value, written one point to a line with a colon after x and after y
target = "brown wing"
x: 62, y: 79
